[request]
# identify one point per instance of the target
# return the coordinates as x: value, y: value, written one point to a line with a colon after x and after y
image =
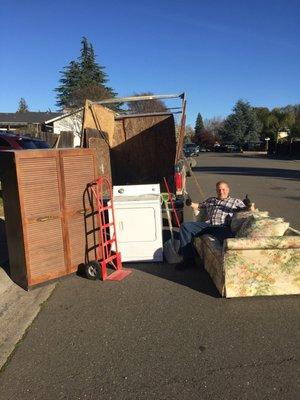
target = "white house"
x: 71, y: 122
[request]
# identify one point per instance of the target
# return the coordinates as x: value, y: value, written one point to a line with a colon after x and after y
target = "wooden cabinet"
x: 46, y: 224
x: 78, y: 170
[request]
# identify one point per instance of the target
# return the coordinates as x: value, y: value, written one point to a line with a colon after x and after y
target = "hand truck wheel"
x: 93, y: 270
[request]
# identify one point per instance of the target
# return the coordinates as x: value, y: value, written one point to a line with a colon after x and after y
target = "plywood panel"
x: 148, y: 153
x: 127, y: 128
x: 119, y: 133
x: 100, y: 118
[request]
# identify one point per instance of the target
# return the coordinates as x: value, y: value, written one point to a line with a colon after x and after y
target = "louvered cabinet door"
x: 40, y: 199
x: 78, y: 170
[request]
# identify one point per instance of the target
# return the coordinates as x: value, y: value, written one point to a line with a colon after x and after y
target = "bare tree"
x: 91, y: 92
x: 214, y: 124
x: 146, y: 106
x: 189, y: 134
x: 208, y: 138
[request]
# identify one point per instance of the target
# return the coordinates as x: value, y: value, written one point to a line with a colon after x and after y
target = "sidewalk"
x: 18, y: 308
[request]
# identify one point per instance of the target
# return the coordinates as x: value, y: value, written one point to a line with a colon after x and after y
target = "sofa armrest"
x: 272, y: 242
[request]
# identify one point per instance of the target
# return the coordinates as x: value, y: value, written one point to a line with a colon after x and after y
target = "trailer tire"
x: 93, y: 270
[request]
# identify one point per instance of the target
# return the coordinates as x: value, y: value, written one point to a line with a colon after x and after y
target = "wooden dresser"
x: 46, y: 223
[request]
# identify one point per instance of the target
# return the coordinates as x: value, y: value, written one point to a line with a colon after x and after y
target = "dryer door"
x: 138, y: 229
x: 136, y: 224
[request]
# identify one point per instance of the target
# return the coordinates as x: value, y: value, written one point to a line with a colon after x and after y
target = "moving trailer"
x: 138, y: 147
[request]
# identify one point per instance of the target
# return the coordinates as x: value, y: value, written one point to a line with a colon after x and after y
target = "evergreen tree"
x: 242, y: 126
x: 199, y: 129
x: 23, y: 107
x: 69, y: 83
x: 199, y: 126
x: 83, y: 79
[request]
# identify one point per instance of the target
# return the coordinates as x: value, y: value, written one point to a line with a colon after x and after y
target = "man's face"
x: 222, y: 191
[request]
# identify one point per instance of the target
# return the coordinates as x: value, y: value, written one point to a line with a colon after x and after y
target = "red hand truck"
x: 107, y: 248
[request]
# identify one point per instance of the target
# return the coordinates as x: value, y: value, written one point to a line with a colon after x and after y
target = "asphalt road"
x: 161, y: 333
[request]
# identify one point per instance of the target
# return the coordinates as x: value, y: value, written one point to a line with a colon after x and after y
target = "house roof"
x: 60, y: 116
x: 27, y: 117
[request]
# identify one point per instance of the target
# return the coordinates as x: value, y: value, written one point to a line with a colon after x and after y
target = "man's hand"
x: 189, y: 203
x: 195, y: 206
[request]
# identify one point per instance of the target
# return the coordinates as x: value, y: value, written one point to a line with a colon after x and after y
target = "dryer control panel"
x: 136, y: 190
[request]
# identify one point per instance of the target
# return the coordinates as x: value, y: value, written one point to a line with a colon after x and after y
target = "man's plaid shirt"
x: 219, y: 212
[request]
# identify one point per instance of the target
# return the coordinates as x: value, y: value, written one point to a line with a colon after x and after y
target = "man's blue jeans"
x: 187, y: 231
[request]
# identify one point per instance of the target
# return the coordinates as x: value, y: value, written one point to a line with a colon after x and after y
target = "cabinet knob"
x: 44, y: 219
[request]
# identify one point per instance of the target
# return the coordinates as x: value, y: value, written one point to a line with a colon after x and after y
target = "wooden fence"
x: 285, y: 149
x: 66, y: 138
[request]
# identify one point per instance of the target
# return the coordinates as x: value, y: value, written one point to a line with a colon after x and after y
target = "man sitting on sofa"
x: 219, y: 211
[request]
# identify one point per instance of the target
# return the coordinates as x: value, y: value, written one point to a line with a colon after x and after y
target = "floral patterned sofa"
x: 252, y: 264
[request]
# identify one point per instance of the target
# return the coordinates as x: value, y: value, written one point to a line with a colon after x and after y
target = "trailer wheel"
x: 93, y: 270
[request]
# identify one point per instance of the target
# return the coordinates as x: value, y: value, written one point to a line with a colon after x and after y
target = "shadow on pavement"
x: 290, y: 174
x: 194, y: 277
x: 261, y: 155
x: 239, y: 155
x: 293, y: 198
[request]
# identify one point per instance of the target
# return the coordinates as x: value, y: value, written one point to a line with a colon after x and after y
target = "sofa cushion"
x: 240, y: 217
x: 256, y: 227
x: 281, y: 242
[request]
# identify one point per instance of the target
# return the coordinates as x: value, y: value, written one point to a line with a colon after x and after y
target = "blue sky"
x: 217, y: 51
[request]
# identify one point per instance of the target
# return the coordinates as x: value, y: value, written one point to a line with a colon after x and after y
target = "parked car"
x: 191, y: 150
x: 10, y: 141
x: 234, y: 149
x: 228, y: 148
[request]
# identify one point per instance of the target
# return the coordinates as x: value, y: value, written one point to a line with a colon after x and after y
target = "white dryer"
x: 138, y: 221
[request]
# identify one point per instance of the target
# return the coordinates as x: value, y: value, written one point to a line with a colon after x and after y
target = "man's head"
x: 222, y: 189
